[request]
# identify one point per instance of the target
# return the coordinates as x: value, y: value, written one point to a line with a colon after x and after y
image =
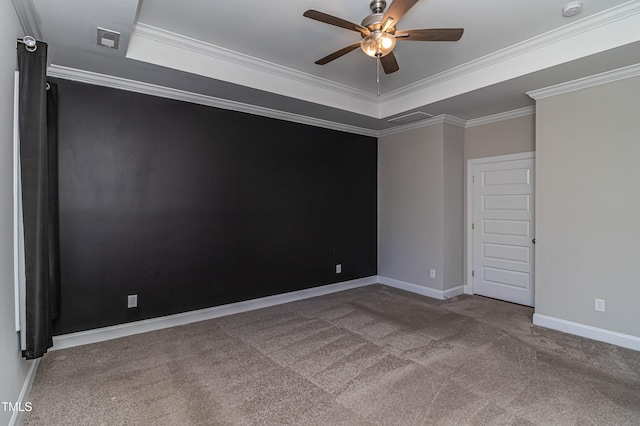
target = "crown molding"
x: 454, y: 121
x: 228, y: 55
x: 583, y: 83
x: 28, y: 17
x: 120, y: 83
x: 584, y: 25
x: 459, y: 122
x: 162, y: 47
x: 89, y: 77
x: 605, y: 30
x: 438, y: 119
x: 520, y: 112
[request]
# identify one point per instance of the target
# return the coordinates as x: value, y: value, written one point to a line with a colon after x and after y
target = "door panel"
x: 506, y: 252
x: 507, y: 202
x: 503, y: 230
x: 506, y: 227
x: 505, y: 277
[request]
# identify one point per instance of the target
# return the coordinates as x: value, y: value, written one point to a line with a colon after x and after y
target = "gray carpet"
x: 372, y: 355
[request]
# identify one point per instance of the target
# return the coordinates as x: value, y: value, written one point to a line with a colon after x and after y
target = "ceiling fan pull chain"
x: 378, y: 74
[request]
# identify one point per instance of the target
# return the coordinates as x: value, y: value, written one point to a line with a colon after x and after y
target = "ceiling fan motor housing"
x: 373, y: 21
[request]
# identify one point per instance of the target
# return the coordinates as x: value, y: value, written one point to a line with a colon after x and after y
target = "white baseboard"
x: 425, y: 291
x: 23, y: 398
x: 453, y: 292
x: 128, y: 329
x: 600, y: 334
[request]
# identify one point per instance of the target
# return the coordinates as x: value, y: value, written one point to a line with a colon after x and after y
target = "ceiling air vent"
x: 410, y: 118
x: 108, y: 38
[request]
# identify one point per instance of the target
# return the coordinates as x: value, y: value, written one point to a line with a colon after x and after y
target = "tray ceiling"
x: 263, y: 53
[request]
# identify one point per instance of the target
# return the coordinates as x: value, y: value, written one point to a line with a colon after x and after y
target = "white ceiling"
x: 263, y: 53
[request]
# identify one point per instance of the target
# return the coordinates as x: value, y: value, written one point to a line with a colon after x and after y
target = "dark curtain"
x: 53, y: 221
x: 38, y: 164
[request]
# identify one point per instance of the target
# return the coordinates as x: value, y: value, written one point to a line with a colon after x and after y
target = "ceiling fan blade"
x: 338, y: 22
x: 434, y: 34
x: 337, y: 54
x: 395, y: 12
x: 389, y: 63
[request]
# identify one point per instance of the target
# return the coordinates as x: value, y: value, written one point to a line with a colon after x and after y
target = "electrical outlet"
x: 432, y: 273
x: 132, y: 301
x: 599, y: 305
x: 339, y: 268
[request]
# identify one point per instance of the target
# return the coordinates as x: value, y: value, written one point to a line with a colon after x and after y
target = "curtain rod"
x: 30, y: 43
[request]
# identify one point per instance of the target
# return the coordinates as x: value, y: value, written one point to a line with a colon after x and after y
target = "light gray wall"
x: 410, y: 206
x: 588, y: 206
x: 13, y: 370
x: 420, y: 206
x: 504, y: 137
x: 454, y: 166
x: 500, y: 138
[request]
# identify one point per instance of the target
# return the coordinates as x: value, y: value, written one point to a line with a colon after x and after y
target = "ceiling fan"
x: 379, y: 33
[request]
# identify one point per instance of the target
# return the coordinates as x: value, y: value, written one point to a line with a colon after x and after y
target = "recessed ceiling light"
x: 572, y: 9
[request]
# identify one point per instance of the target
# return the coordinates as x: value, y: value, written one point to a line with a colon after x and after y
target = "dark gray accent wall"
x: 189, y: 206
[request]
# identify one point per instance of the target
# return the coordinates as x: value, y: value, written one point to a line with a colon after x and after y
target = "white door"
x: 503, y: 230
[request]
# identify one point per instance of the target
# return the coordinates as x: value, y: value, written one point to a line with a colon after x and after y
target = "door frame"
x: 468, y: 286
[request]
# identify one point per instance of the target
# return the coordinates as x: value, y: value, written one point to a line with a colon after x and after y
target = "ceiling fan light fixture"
x: 378, y: 44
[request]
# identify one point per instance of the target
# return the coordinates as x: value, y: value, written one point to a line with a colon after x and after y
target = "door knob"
x: 533, y: 241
